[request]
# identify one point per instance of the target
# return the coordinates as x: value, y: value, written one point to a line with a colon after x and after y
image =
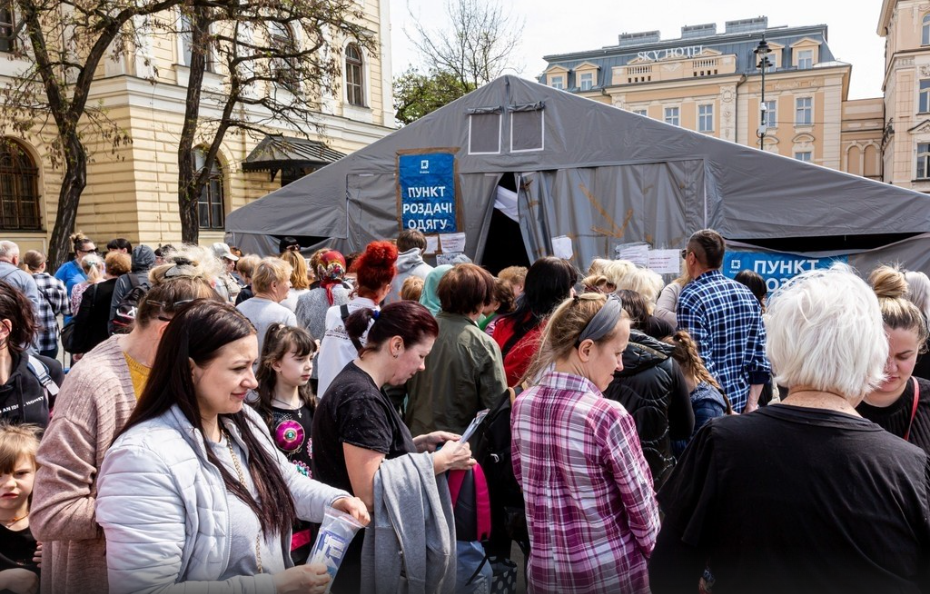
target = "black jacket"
x: 653, y: 390
x: 22, y: 397
x: 91, y: 322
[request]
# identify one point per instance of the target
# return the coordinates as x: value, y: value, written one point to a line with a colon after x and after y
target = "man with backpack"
x: 129, y: 290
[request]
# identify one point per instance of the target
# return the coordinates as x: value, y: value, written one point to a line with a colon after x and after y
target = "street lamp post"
x: 762, y: 52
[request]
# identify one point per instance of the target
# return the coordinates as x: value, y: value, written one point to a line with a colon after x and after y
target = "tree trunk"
x: 72, y: 185
x: 188, y: 187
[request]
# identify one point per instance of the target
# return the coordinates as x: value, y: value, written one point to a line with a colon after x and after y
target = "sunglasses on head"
x: 173, y: 306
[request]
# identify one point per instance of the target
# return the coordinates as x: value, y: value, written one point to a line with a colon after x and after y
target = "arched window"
x: 284, y: 70
x: 211, y: 205
x: 925, y: 31
x: 19, y: 188
x: 355, y: 91
x: 7, y: 26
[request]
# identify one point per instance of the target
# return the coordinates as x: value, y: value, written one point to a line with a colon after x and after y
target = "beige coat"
x: 95, y: 402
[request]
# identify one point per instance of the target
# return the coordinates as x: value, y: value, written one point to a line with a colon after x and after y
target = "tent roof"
x: 747, y: 194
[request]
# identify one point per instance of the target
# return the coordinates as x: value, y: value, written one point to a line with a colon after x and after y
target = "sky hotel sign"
x: 671, y: 53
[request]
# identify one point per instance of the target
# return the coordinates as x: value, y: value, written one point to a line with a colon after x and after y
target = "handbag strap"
x: 907, y: 433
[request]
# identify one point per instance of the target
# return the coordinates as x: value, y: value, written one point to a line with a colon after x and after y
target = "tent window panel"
x: 484, y: 133
x: 923, y: 161
x: 924, y: 96
x: 527, y: 131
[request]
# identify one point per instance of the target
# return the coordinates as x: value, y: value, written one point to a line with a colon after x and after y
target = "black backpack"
x: 491, y: 447
x: 128, y: 305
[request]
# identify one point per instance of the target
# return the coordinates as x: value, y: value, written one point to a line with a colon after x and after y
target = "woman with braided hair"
x: 707, y: 400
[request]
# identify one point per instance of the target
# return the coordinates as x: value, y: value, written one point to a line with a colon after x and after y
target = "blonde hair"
x: 17, y: 441
x: 191, y: 261
x: 615, y: 270
x: 645, y: 282
x: 247, y: 265
x: 92, y: 265
x: 824, y: 332
x: 898, y: 313
x: 270, y: 270
x: 515, y: 275
x: 299, y: 277
x: 564, y: 327
x: 597, y: 266
x: 597, y: 283
x: 411, y: 289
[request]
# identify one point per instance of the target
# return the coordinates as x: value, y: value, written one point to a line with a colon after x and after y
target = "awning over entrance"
x: 296, y: 157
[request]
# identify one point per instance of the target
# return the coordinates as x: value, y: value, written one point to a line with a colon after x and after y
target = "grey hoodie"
x: 143, y: 259
x: 409, y: 263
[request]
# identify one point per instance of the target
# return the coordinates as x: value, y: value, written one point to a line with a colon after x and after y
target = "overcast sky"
x: 558, y: 26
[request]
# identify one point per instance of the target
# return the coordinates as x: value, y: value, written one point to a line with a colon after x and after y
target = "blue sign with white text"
x: 776, y: 269
x: 427, y: 192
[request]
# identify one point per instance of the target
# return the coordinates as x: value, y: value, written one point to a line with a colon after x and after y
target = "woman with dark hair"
x: 755, y: 283
x: 192, y: 457
x: 376, y: 270
x: 356, y: 428
x: 464, y: 372
x: 100, y: 394
x: 23, y: 396
x: 637, y: 307
x: 549, y: 281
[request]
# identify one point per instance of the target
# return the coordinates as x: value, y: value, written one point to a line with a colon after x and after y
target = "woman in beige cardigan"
x: 95, y: 401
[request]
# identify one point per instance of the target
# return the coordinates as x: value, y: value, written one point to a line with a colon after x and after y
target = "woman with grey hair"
x: 918, y: 293
x: 806, y: 496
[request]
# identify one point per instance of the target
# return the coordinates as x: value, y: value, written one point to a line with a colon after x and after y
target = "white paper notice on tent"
x: 665, y: 261
x: 446, y: 258
x: 432, y: 244
x: 637, y: 253
x: 452, y: 242
x: 562, y: 247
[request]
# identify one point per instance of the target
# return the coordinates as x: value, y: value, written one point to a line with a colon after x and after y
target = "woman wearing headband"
x: 590, y: 507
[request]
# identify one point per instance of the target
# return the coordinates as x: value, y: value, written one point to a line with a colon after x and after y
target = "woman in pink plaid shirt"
x: 590, y: 507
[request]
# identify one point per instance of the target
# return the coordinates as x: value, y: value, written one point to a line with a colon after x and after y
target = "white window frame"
x: 673, y: 119
x: 642, y: 112
x: 923, y: 95
x: 805, y: 156
x: 183, y: 59
x: 500, y: 129
x: 582, y: 81
x: 771, y: 120
x: 809, y: 108
x: 805, y: 55
x: 557, y: 81
x: 925, y: 155
x: 542, y: 117
x: 925, y: 30
x: 701, y: 117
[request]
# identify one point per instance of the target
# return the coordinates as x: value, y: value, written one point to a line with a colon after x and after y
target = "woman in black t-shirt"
x: 355, y: 426
x: 805, y: 496
x: 901, y: 403
x: 286, y: 404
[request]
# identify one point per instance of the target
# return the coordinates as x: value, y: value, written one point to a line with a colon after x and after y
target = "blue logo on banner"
x: 427, y: 192
x: 776, y: 269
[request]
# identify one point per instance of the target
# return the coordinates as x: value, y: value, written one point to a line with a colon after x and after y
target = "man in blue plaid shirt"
x: 725, y: 320
x: 53, y: 300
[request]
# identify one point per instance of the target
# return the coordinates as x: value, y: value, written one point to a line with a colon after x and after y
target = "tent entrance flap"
x: 504, y: 245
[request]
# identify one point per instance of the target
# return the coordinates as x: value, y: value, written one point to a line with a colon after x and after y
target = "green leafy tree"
x: 417, y: 94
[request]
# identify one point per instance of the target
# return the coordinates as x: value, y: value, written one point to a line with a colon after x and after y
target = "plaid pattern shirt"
x: 53, y: 300
x: 590, y: 507
x: 725, y: 320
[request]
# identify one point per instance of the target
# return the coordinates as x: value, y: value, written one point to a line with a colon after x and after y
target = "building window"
x: 7, y: 26
x: 187, y: 44
x: 355, y: 90
x: 672, y: 115
x: 924, y: 96
x: 771, y: 111
x: 556, y: 82
x: 705, y: 118
x: 19, y: 193
x: 804, y: 156
x: 283, y: 40
x: 805, y: 59
x: 923, y: 161
x: 641, y: 112
x: 587, y: 81
x: 803, y: 111
x: 925, y: 31
x: 211, y: 207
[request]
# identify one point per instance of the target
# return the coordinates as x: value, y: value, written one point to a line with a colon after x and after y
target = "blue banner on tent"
x: 427, y: 192
x: 776, y: 269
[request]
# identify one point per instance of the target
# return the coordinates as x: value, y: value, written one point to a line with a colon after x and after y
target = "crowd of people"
x: 696, y: 435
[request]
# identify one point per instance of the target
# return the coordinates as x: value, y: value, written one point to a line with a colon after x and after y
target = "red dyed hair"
x: 376, y: 266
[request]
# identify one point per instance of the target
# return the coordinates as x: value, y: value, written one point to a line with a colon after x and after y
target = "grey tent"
x: 597, y: 174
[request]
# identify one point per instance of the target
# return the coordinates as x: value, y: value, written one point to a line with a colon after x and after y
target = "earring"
x: 396, y: 355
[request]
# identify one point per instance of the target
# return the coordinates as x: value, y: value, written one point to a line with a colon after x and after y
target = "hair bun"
x: 888, y: 282
x: 380, y: 254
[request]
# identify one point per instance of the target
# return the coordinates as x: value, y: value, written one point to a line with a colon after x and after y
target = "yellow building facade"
x: 132, y: 191
x: 712, y: 83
